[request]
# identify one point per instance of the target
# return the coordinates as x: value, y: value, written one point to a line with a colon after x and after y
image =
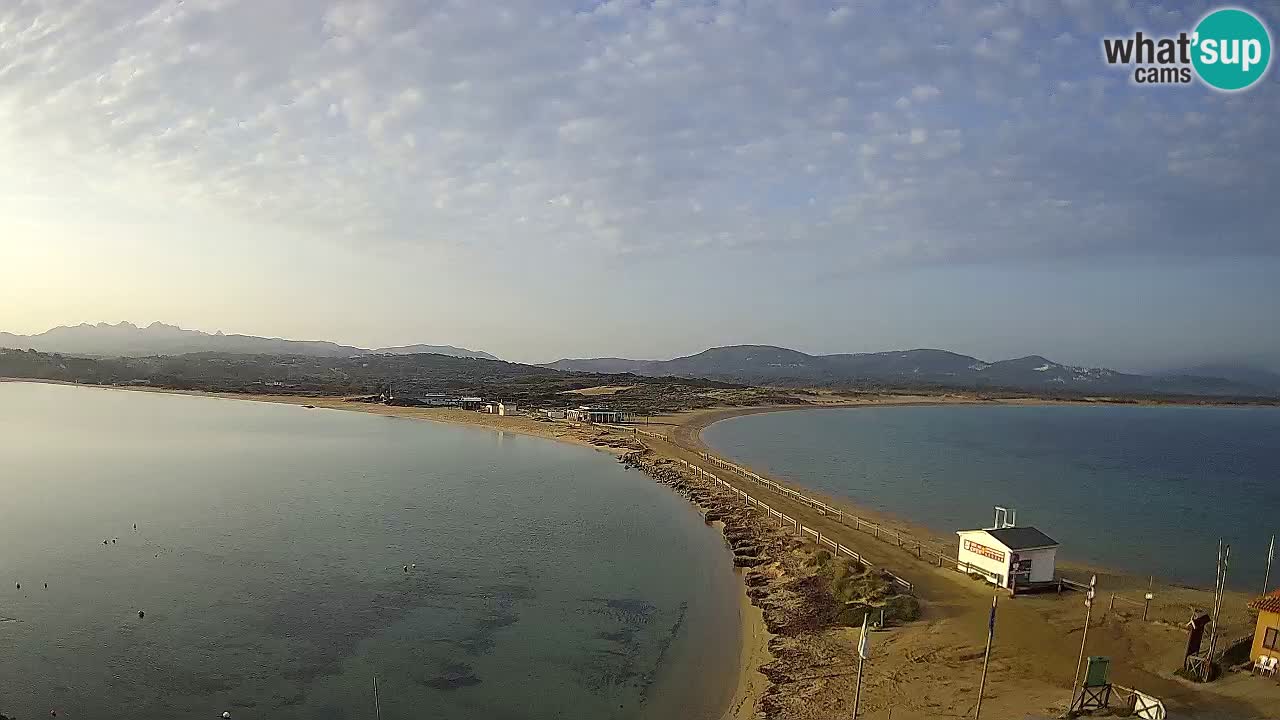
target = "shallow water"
x: 1147, y: 490
x: 268, y: 559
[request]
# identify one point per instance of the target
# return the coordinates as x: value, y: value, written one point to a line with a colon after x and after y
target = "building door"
x: 1021, y: 571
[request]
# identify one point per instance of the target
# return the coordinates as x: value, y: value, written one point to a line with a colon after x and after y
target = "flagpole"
x: 986, y: 658
x: 862, y: 653
x: 1088, y: 603
x: 1271, y: 553
x: 857, y: 694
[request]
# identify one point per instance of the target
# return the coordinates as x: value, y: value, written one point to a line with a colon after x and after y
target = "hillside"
x: 124, y: 339
x: 434, y: 350
x: 410, y: 376
x: 768, y: 365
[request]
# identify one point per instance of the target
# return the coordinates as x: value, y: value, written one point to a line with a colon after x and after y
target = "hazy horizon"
x: 638, y: 179
x: 1252, y: 362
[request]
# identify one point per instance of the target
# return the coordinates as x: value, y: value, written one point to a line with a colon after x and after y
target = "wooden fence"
x: 785, y: 520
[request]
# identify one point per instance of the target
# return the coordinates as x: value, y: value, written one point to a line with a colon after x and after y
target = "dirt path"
x: 933, y: 666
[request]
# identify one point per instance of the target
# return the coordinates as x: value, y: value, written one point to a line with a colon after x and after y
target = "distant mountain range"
x: 743, y: 364
x: 125, y: 339
x: 768, y: 365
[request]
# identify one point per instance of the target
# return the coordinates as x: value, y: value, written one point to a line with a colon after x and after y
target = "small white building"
x: 1007, y: 555
x: 596, y: 414
x: 506, y: 408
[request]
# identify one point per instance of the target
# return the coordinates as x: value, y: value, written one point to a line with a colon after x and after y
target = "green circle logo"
x: 1232, y: 49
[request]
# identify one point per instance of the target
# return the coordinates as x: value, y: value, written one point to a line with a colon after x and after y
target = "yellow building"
x: 1266, y: 639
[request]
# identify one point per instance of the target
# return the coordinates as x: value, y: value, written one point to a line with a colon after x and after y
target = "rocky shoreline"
x: 809, y: 599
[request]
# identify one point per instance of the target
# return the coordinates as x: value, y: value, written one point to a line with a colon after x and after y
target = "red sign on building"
x: 984, y: 551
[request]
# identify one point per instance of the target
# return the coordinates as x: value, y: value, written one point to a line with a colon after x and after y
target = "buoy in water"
x: 18, y: 585
x: 226, y: 715
x: 415, y: 566
x: 406, y: 568
x: 141, y: 613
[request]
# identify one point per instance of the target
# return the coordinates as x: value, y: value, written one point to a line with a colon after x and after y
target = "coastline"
x: 688, y: 428
x: 1044, y: 630
x: 1233, y: 696
x: 753, y: 652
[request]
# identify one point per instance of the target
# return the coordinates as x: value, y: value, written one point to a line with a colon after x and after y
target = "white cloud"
x: 453, y: 123
x: 925, y: 92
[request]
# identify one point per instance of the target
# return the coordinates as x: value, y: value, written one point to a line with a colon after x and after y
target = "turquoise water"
x: 1147, y: 490
x: 268, y: 560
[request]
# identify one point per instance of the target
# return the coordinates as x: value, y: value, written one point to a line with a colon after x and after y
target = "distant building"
x: 1007, y: 555
x: 470, y: 403
x: 554, y: 414
x: 506, y: 408
x: 1266, y: 637
x: 596, y: 414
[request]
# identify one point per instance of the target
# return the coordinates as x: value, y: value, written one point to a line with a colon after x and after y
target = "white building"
x: 596, y: 414
x: 506, y: 408
x: 1008, y: 556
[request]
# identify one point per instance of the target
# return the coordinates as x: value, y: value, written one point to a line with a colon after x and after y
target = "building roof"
x: 1267, y: 603
x: 1022, y: 538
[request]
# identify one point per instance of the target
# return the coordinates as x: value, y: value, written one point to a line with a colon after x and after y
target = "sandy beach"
x: 1042, y: 632
x: 928, y: 668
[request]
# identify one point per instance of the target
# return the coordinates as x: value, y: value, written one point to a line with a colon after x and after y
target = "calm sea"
x: 268, y: 559
x: 1148, y: 490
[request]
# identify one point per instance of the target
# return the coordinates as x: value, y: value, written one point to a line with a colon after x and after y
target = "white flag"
x: 862, y: 641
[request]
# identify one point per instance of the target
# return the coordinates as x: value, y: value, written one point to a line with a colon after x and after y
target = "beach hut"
x: 1009, y: 556
x: 1266, y: 637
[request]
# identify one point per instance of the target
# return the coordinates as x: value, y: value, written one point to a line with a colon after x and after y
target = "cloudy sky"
x: 643, y: 178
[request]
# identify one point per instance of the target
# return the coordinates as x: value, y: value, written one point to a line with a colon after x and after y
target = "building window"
x: 1271, y: 639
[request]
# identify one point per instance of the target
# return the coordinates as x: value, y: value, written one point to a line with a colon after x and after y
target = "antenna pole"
x: 1088, y: 604
x: 1224, y: 562
x: 1271, y: 553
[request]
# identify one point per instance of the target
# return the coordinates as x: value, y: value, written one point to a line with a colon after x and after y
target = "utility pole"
x: 986, y: 658
x: 1088, y: 604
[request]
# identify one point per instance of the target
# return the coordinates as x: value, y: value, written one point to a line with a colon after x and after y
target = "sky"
x: 638, y: 178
